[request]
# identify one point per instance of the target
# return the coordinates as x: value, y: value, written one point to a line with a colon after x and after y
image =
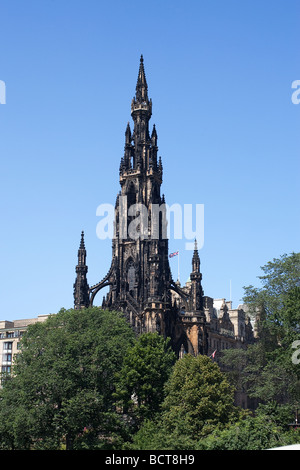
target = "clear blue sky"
x: 219, y: 74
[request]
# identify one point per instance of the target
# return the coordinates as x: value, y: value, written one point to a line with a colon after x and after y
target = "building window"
x: 131, y: 276
x: 5, y: 372
x: 7, y: 346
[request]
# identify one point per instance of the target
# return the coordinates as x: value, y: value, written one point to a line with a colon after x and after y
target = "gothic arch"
x: 155, y: 193
x: 130, y: 274
x: 131, y: 192
x: 106, y: 281
x: 95, y: 292
x: 187, y: 345
x: 178, y: 290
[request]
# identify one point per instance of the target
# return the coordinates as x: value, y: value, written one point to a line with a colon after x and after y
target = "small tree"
x: 140, y: 383
x: 198, y: 398
x: 281, y: 277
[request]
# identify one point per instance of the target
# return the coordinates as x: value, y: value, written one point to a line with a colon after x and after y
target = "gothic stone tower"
x: 139, y: 279
x: 81, y: 287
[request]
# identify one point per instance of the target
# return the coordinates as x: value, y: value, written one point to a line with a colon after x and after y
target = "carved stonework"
x: 139, y: 279
x: 81, y: 287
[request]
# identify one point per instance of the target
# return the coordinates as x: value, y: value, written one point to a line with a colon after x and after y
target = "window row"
x: 11, y: 334
x: 8, y: 346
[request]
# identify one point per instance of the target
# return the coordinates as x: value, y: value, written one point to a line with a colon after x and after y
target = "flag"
x: 173, y: 254
x: 213, y: 354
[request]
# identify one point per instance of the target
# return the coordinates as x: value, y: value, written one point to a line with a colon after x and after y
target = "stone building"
x: 10, y: 334
x: 139, y: 278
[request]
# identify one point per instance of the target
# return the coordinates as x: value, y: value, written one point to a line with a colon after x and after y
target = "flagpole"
x: 178, y: 268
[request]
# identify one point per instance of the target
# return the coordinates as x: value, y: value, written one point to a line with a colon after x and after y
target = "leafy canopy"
x: 140, y: 383
x: 198, y: 398
x: 266, y: 369
x: 63, y: 380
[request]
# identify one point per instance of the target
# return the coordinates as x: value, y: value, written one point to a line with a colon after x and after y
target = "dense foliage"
x: 61, y: 390
x: 270, y: 369
x: 140, y: 383
x: 198, y: 397
x: 83, y: 380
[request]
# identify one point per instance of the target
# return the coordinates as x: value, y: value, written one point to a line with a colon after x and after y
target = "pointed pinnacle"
x: 82, y: 241
x: 128, y: 131
x: 196, y: 254
x: 141, y: 86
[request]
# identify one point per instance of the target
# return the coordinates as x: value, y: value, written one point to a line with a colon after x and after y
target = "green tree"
x: 198, y: 398
x: 140, y: 383
x: 281, y: 277
x: 267, y: 429
x: 248, y: 434
x: 63, y: 380
x: 266, y: 369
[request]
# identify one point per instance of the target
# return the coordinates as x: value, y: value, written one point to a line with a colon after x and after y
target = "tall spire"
x: 196, y: 259
x: 81, y: 287
x: 82, y: 246
x: 141, y: 86
x: 196, y: 276
x: 141, y: 106
x: 128, y: 134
